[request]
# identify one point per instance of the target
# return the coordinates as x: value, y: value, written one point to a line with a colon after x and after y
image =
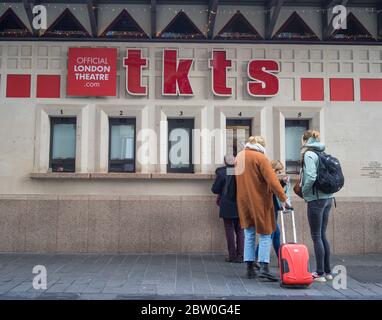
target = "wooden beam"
x: 92, y: 12
x: 153, y: 19
x: 329, y: 28
x: 28, y: 9
x: 212, y: 12
x: 271, y: 18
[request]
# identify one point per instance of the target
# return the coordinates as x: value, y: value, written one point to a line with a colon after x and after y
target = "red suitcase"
x: 293, y: 259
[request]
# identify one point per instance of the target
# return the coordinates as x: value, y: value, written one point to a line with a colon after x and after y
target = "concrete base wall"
x: 49, y: 223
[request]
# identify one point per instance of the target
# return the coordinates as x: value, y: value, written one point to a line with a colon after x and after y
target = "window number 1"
x: 121, y: 113
x: 61, y: 111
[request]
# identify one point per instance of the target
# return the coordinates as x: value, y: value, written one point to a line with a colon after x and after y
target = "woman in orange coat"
x: 256, y: 182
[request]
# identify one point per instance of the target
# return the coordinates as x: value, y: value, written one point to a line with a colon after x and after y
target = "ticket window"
x: 121, y: 145
x: 180, y: 145
x: 294, y: 129
x: 62, y: 144
x: 237, y: 133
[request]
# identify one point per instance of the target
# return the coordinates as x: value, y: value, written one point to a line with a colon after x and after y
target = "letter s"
x: 265, y: 83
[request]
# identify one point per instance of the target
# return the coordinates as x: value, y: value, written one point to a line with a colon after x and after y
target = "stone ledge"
x: 118, y: 175
x: 182, y: 176
x: 122, y: 176
x: 60, y: 175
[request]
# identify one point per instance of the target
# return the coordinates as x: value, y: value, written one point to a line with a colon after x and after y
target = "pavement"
x: 170, y: 276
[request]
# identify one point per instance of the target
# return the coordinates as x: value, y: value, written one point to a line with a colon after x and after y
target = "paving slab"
x: 170, y: 276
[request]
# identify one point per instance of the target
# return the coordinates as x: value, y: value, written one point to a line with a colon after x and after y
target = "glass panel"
x: 294, y: 129
x: 179, y: 147
x: 293, y: 142
x: 64, y: 141
x: 122, y: 142
x: 237, y: 135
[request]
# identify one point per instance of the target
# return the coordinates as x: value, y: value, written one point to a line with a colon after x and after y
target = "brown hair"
x: 277, y: 165
x: 257, y: 139
x: 311, y: 134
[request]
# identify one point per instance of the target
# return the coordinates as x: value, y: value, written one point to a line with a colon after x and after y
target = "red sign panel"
x: 341, y: 89
x: 92, y: 72
x: 312, y: 89
x: 18, y: 86
x: 371, y: 89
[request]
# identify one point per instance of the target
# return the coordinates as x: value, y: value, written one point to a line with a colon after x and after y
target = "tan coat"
x: 255, y: 187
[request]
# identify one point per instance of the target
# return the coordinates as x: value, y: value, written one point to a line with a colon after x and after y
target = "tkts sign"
x: 262, y: 79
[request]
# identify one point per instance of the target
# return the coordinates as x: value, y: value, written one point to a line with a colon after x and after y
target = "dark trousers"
x: 318, y: 217
x: 232, y: 228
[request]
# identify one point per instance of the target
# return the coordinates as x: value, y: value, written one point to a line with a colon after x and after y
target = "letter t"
x: 134, y: 64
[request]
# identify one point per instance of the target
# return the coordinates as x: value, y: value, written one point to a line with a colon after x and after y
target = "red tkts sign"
x: 92, y: 72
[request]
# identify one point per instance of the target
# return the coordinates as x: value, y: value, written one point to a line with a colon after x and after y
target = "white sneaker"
x: 328, y: 276
x: 318, y: 278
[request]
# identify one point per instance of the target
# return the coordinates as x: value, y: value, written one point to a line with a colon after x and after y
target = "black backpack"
x: 329, y: 174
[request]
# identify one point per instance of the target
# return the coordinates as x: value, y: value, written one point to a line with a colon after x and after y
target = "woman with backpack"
x: 319, y: 203
x: 225, y: 187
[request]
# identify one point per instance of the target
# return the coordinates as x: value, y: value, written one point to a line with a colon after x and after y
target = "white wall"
x: 351, y: 130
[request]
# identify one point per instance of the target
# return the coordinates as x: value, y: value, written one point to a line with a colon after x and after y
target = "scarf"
x: 255, y: 146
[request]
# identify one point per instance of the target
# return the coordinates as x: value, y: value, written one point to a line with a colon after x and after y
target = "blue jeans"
x: 265, y: 242
x: 275, y: 236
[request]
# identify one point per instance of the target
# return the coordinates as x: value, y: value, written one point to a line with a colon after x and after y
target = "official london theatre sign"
x: 91, y: 72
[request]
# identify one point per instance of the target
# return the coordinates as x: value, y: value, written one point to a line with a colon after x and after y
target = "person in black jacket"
x: 225, y: 187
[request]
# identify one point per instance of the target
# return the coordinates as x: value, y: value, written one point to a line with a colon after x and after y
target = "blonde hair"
x: 277, y: 165
x: 311, y: 134
x: 257, y: 139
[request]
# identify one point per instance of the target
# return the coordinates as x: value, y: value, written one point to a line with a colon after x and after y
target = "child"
x: 278, y: 167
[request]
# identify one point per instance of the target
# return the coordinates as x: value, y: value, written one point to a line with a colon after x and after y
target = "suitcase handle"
x: 282, y: 212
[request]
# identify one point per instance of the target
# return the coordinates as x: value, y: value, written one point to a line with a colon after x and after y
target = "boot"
x: 251, y: 273
x: 265, y: 273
